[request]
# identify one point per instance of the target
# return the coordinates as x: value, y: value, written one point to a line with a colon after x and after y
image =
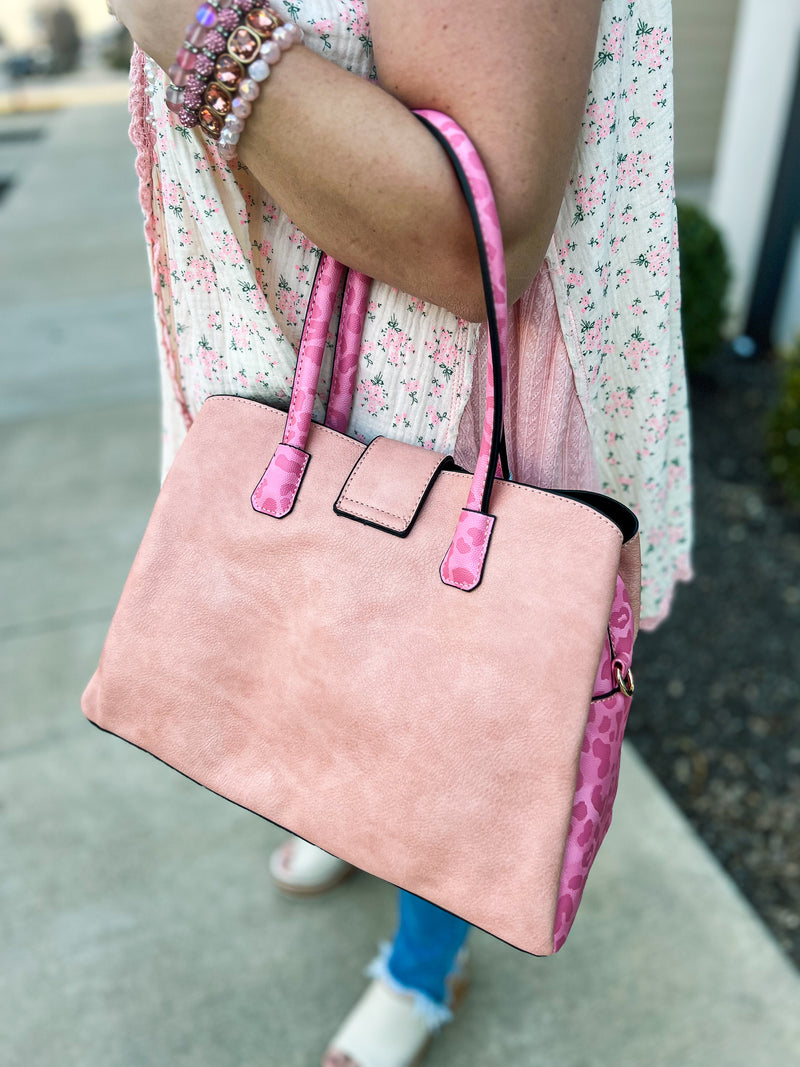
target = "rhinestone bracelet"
x: 253, y: 48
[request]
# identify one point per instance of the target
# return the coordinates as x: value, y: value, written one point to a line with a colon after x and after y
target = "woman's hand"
x: 157, y: 26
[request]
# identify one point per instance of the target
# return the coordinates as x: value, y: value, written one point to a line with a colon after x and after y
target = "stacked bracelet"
x: 195, y: 60
x: 228, y: 52
x: 252, y: 49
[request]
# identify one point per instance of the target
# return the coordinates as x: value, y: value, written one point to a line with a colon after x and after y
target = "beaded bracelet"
x: 195, y: 60
x: 206, y: 39
x: 216, y: 79
x: 253, y: 48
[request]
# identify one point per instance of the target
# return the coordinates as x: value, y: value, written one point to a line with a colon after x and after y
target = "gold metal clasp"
x: 626, y: 684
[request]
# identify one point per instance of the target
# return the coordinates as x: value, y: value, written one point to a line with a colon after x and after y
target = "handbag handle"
x: 345, y: 360
x: 348, y: 347
x: 275, y: 494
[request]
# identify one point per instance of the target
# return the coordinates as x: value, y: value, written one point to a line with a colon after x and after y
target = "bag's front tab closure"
x: 389, y: 484
x: 276, y: 492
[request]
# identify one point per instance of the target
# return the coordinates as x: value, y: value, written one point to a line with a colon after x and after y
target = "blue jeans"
x: 422, y: 955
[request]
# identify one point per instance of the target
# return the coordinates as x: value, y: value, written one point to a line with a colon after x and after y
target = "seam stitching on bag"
x: 445, y: 474
x: 318, y: 428
x: 569, y: 500
x: 371, y: 508
x: 405, y: 519
x: 465, y: 585
x: 352, y: 474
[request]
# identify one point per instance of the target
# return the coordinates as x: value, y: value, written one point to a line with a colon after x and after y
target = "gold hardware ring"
x: 626, y: 684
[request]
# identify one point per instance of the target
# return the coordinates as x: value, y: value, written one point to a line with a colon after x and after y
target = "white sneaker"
x: 299, y: 867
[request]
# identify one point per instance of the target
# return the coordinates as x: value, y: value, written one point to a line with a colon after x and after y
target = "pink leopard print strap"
x: 277, y: 489
x: 348, y: 347
x: 275, y: 494
x: 462, y: 565
x: 488, y: 228
x: 477, y: 189
x: 312, y: 350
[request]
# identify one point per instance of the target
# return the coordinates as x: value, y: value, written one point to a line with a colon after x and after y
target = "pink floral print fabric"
x: 311, y: 354
x: 614, y: 265
x: 232, y: 277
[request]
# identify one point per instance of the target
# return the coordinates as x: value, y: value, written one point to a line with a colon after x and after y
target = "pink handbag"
x: 315, y: 643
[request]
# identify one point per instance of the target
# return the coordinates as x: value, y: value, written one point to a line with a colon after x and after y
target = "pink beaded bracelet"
x: 195, y: 59
x: 206, y: 38
x: 257, y: 48
x: 216, y: 78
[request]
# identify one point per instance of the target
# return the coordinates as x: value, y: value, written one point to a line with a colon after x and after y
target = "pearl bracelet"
x: 254, y: 47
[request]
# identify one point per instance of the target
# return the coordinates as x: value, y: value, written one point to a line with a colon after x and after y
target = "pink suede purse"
x: 315, y: 643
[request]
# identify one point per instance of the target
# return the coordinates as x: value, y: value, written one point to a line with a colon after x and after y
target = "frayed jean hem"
x: 434, y: 1013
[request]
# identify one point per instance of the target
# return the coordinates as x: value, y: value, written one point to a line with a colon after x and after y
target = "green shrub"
x: 705, y: 277
x: 783, y: 428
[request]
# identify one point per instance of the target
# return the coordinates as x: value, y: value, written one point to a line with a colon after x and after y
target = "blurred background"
x: 138, y: 925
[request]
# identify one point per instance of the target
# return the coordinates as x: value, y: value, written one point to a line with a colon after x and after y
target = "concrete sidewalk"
x: 81, y: 88
x: 139, y: 926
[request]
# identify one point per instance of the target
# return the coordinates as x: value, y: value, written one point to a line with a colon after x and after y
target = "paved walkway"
x: 82, y: 88
x: 138, y: 925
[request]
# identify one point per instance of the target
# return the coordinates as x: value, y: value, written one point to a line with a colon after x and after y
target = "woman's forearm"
x: 365, y: 180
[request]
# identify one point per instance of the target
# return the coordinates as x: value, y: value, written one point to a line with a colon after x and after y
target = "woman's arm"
x: 365, y: 180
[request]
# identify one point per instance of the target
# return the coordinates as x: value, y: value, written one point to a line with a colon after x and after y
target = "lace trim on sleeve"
x: 143, y: 137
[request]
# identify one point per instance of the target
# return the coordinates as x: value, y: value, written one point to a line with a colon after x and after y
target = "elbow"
x: 524, y: 246
x: 527, y: 227
x: 527, y: 219
x: 524, y: 259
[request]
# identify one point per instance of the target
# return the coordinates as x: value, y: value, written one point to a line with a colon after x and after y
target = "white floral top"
x: 232, y: 276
